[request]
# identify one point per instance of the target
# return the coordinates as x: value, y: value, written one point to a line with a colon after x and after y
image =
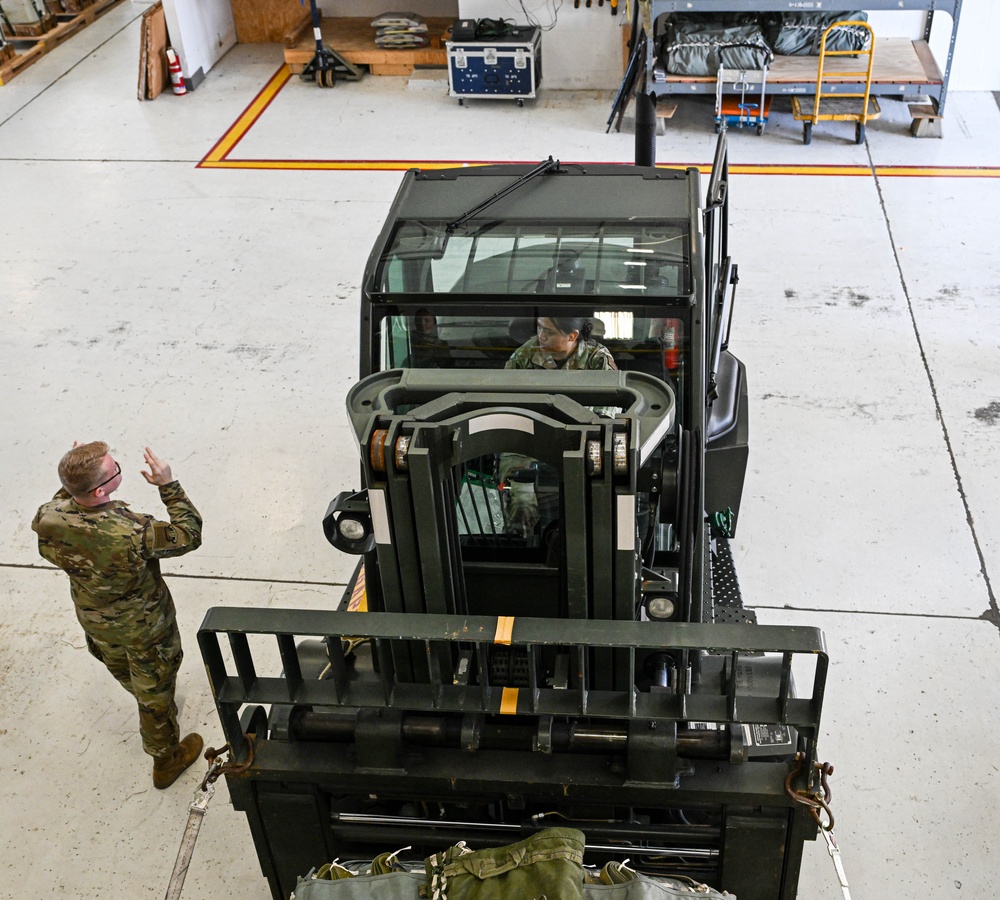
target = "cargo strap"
x: 818, y: 802
x: 197, y: 810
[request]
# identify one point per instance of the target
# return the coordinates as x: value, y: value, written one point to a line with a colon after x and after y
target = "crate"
x: 505, y: 67
x: 63, y: 26
x: 67, y: 7
x: 37, y: 29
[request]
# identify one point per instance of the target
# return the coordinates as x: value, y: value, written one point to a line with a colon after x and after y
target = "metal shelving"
x: 902, y: 67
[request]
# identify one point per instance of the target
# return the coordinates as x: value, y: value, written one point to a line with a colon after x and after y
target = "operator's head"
x: 559, y: 335
x: 425, y: 321
x: 89, y: 472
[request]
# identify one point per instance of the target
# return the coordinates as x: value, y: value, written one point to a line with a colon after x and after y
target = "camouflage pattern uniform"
x: 112, y: 555
x: 587, y: 355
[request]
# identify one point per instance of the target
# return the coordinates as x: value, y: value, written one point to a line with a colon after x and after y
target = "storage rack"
x: 902, y: 67
x: 67, y: 24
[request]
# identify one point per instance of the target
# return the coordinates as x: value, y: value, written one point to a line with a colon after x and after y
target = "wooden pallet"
x: 67, y: 27
x: 897, y: 61
x: 354, y: 40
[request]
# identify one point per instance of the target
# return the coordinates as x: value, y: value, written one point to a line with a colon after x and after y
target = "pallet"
x: 354, y: 40
x: 67, y: 27
x: 897, y: 61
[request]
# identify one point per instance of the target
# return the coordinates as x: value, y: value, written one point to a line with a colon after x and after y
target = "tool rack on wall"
x: 902, y: 67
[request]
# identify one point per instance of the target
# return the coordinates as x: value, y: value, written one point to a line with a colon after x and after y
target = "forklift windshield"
x: 442, y: 336
x: 631, y: 259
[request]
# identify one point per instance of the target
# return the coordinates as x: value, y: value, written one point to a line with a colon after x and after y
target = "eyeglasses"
x: 118, y: 471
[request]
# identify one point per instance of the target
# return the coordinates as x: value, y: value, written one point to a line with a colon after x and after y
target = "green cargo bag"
x: 548, y: 864
x: 799, y: 34
x: 390, y: 886
x: 700, y: 44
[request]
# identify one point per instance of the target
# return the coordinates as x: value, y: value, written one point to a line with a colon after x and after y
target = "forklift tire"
x: 807, y: 132
x: 325, y: 78
x: 859, y: 133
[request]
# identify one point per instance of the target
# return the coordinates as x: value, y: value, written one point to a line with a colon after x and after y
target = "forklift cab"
x: 468, y: 262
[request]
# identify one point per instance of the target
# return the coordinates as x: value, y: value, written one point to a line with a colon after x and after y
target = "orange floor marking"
x: 218, y: 156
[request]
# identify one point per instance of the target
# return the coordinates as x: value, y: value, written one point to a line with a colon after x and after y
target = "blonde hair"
x: 80, y: 468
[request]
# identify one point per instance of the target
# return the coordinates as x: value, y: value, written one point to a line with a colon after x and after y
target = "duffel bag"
x: 799, y: 34
x: 700, y: 48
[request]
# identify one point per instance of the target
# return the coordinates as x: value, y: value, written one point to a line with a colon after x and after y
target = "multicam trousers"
x: 150, y: 675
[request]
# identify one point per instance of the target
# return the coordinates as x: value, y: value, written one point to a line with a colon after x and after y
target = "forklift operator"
x: 560, y: 342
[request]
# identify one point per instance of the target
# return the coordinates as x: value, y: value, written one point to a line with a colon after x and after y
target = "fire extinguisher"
x: 176, y: 75
x: 671, y: 338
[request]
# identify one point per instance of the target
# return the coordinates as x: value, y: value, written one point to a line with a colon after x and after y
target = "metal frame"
x: 291, y: 790
x: 837, y: 108
x: 240, y: 684
x: 750, y: 113
x: 938, y: 92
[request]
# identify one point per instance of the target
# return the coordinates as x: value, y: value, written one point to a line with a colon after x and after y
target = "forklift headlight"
x: 661, y: 607
x: 351, y: 529
x: 348, y: 524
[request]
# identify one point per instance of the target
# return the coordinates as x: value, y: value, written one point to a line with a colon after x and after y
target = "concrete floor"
x: 211, y: 313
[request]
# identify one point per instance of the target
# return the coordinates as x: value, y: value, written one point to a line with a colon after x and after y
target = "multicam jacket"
x: 112, y: 555
x: 587, y: 355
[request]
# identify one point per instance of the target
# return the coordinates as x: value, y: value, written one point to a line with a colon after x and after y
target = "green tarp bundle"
x: 546, y: 864
x: 799, y: 34
x: 699, y: 44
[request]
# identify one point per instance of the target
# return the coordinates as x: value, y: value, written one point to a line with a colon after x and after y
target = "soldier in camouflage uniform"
x: 112, y: 556
x: 560, y: 342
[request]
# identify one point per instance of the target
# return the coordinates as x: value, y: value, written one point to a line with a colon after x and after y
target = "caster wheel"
x: 461, y: 101
x: 325, y: 78
x: 718, y: 128
x: 807, y: 133
x: 760, y: 130
x: 859, y: 133
x: 520, y: 103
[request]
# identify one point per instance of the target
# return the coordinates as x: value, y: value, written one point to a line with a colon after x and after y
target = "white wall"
x: 201, y: 31
x: 976, y: 63
x: 976, y: 66
x: 582, y: 51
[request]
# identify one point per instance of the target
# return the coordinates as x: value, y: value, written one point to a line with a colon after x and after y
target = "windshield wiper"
x: 541, y: 169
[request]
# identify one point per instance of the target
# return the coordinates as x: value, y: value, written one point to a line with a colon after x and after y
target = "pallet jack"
x: 327, y: 65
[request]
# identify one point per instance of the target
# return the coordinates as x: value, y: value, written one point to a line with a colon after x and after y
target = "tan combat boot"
x: 167, y: 769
